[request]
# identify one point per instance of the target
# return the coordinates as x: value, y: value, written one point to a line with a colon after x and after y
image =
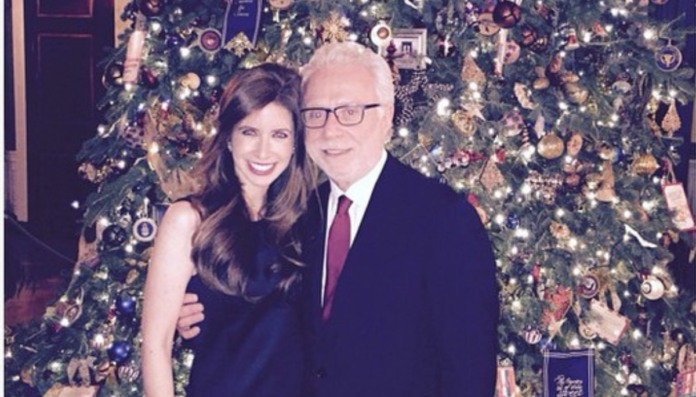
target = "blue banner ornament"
x: 569, y: 373
x: 242, y: 22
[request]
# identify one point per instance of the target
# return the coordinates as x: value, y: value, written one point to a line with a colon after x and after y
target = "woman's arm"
x: 167, y: 276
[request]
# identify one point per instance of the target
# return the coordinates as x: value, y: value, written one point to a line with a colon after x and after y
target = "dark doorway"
x: 65, y: 40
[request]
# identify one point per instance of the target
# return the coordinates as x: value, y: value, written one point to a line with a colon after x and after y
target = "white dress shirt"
x: 359, y: 194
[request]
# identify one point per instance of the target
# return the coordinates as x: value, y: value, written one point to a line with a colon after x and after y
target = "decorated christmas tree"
x: 557, y: 120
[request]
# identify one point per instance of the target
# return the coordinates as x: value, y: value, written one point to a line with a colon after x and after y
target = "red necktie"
x: 336, y: 252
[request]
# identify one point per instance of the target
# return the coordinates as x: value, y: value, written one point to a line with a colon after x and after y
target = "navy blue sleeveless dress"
x: 249, y: 349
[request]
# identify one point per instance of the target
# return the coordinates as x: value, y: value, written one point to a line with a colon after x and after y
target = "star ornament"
x: 239, y: 44
x: 333, y: 29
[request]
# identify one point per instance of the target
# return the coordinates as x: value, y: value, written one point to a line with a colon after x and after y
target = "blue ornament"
x: 668, y: 58
x: 119, y: 351
x: 114, y: 236
x: 173, y: 40
x: 126, y: 304
x: 513, y: 221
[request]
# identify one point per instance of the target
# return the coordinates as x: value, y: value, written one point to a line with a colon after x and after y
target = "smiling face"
x: 262, y: 146
x: 346, y: 153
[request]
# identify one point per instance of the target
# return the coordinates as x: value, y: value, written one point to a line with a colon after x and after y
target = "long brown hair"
x: 219, y: 199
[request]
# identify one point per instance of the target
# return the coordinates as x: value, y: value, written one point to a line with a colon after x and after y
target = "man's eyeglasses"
x: 346, y: 115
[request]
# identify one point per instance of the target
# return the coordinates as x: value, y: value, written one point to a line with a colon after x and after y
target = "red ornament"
x: 506, y: 14
x: 500, y: 155
x: 528, y: 36
x: 536, y: 272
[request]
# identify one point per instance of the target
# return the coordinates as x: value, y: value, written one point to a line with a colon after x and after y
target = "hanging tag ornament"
x: 242, y: 22
x: 668, y: 58
x: 678, y: 204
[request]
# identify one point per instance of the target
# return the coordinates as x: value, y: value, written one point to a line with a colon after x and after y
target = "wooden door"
x: 65, y: 41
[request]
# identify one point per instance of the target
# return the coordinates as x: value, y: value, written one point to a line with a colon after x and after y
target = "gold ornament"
x: 175, y: 183
x: 671, y: 123
x: 27, y: 375
x: 102, y: 338
x: 606, y: 193
x: 592, y: 181
x: 645, y: 164
x: 487, y: 27
x: 544, y: 186
x: 482, y: 214
x: 574, y: 144
x: 606, y: 152
x: 471, y: 72
x: 550, y: 146
x: 333, y: 29
x: 132, y: 275
x: 541, y: 83
x: 190, y: 80
x: 67, y: 310
x: 559, y: 230
x: 569, y: 77
x: 103, y: 370
x: 523, y: 96
x: 464, y: 122
x: 91, y: 173
x: 491, y: 175
x: 128, y: 372
x: 81, y: 367
x: 576, y: 93
x: 239, y: 44
x: 425, y: 141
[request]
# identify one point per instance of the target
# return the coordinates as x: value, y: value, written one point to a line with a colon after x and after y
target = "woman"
x: 232, y: 244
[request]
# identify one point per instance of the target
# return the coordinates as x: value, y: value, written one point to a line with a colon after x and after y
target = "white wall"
x: 16, y: 194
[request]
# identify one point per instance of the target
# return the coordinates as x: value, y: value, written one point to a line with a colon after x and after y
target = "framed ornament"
x: 411, y: 48
x: 678, y: 203
x: 668, y: 58
x: 381, y: 34
x: 145, y: 229
x: 606, y: 323
x: 210, y: 40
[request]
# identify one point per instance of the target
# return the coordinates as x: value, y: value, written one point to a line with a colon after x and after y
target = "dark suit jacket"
x: 416, y: 308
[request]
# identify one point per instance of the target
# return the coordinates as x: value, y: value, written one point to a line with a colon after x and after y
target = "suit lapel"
x: 315, y: 253
x: 368, y: 241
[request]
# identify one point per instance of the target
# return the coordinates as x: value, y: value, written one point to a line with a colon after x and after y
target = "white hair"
x: 356, y: 54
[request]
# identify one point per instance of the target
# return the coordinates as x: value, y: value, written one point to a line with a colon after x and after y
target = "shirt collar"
x: 360, y: 191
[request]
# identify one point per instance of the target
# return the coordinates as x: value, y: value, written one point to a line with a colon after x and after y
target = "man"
x: 401, y: 292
